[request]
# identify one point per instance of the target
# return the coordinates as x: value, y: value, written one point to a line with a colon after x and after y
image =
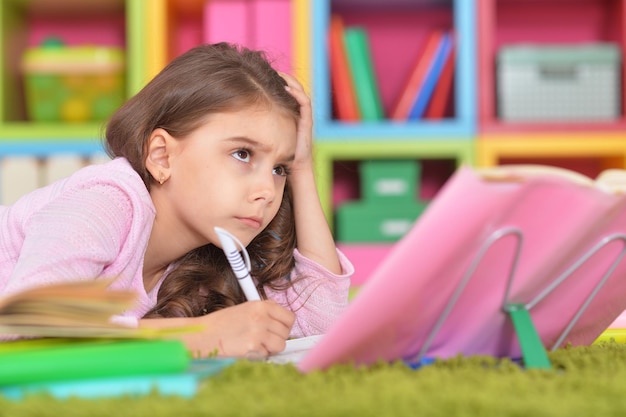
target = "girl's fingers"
x: 300, y: 95
x: 291, y: 80
x: 282, y: 319
x: 305, y: 124
x: 294, y: 87
x: 274, y: 344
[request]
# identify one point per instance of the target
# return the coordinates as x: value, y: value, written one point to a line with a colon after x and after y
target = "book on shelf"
x: 545, y: 238
x: 343, y: 91
x: 425, y: 92
x: 442, y: 95
x: 363, y: 75
x: 416, y: 77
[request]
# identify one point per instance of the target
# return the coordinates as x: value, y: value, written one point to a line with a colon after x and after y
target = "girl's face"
x: 230, y: 172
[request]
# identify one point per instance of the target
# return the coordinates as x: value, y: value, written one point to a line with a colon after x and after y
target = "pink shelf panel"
x: 365, y: 257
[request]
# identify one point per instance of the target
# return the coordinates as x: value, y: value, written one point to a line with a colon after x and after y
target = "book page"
x: 295, y: 350
x: 520, y: 172
x: 82, y: 308
x: 613, y: 179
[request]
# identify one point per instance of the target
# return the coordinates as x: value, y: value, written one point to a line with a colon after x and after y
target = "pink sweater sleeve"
x: 74, y: 237
x: 317, y: 296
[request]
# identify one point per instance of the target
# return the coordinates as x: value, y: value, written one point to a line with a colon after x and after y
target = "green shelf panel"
x: 25, y: 131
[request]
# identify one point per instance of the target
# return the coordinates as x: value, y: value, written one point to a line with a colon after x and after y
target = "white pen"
x: 236, y: 261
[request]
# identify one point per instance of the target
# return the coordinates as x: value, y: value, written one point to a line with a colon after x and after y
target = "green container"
x: 394, y: 180
x: 367, y: 222
x: 73, y: 84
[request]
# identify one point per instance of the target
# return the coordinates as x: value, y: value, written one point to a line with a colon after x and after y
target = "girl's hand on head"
x: 304, y: 141
x: 315, y: 240
x: 254, y: 329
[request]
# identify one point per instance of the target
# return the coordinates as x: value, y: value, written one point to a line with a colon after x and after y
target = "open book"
x: 543, y: 237
x: 76, y: 309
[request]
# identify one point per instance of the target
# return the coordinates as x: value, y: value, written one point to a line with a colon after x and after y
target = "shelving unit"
x: 152, y: 32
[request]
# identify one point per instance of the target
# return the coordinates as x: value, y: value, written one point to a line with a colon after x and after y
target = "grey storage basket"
x: 538, y: 83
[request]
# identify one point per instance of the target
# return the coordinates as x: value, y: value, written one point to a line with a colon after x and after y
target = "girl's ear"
x: 158, y: 155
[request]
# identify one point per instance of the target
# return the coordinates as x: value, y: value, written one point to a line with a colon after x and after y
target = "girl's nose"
x: 264, y: 188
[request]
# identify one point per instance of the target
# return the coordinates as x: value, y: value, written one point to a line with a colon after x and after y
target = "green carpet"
x: 583, y: 381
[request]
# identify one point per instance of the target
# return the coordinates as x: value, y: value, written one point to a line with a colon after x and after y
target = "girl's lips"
x: 250, y: 221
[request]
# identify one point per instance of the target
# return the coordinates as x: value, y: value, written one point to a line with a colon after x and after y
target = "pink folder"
x: 228, y: 21
x: 257, y: 24
x: 271, y: 31
x: 481, y: 244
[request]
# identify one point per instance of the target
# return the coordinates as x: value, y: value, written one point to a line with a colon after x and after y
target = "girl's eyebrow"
x: 248, y: 141
x: 258, y: 146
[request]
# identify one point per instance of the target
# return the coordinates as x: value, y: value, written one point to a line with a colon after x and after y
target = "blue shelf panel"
x: 446, y: 129
x: 462, y: 124
x: 43, y: 149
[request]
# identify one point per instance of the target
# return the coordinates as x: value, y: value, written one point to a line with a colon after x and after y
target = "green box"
x: 395, y: 180
x: 73, y: 84
x: 362, y: 221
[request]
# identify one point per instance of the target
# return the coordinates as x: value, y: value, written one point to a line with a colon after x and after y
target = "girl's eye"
x: 281, y: 170
x: 242, y: 155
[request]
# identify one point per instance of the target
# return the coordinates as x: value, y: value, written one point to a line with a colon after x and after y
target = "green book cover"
x: 49, y: 360
x: 362, y: 70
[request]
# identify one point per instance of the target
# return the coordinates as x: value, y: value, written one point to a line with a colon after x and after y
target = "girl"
x: 218, y: 138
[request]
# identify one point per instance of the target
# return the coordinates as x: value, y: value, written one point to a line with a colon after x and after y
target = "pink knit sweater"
x: 96, y: 224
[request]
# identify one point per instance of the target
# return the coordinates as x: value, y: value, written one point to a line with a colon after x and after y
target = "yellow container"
x: 73, y: 84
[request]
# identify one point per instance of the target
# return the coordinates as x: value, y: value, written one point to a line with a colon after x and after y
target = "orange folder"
x: 342, y: 84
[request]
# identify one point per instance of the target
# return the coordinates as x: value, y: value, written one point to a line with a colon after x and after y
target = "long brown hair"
x: 204, y: 80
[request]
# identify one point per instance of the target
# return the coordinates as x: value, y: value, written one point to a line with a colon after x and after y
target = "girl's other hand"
x: 254, y: 329
x: 304, y: 141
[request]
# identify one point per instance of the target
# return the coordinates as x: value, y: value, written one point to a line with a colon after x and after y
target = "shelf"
x: 41, y: 139
x: 512, y: 22
x: 585, y: 153
x: 28, y: 132
x: 328, y: 153
x: 26, y: 23
x: 396, y: 30
x: 45, y: 148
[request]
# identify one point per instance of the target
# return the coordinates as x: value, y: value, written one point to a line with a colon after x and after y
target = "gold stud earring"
x: 161, y: 178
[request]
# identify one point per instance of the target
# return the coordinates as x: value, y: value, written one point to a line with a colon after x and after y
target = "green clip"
x: 533, y: 352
